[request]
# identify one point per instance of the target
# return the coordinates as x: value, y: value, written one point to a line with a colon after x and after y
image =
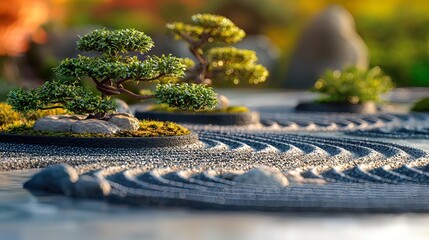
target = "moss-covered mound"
x: 230, y: 109
x: 421, y: 106
x: 147, y: 128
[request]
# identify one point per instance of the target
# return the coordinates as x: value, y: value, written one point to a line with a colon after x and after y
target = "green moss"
x: 230, y: 109
x: 8, y: 115
x: 148, y: 128
x: 421, y: 106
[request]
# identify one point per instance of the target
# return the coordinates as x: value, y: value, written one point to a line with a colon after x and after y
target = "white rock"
x: 263, y: 176
x: 124, y: 122
x: 55, y: 123
x: 94, y: 126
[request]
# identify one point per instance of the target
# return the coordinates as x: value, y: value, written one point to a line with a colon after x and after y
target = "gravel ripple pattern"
x: 326, y: 173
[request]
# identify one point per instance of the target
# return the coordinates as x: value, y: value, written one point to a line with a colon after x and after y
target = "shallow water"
x: 24, y: 216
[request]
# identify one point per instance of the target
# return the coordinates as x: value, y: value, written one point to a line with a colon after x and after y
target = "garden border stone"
x: 107, y: 142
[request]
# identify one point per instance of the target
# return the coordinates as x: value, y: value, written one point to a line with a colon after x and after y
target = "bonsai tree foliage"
x: 217, y: 63
x: 109, y: 70
x: 353, y: 85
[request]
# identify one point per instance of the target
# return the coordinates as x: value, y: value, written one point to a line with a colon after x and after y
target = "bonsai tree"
x: 224, y: 63
x: 353, y: 85
x: 109, y: 70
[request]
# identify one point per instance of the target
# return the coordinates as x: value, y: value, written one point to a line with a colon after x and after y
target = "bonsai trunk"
x: 203, y: 66
x: 100, y: 116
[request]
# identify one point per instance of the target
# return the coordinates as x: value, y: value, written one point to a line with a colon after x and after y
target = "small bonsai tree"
x: 224, y: 63
x: 109, y: 70
x: 353, y: 85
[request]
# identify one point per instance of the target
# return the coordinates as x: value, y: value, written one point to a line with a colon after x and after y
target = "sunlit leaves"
x: 194, y: 97
x: 236, y: 65
x: 353, y: 85
x: 115, y: 41
x: 218, y: 63
x: 69, y: 96
x: 208, y: 28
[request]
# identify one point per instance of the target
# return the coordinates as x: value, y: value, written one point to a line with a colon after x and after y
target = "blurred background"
x: 295, y: 39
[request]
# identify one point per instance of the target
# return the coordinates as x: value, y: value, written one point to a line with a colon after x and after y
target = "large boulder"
x: 94, y: 126
x: 57, y: 179
x: 263, y: 176
x: 329, y: 42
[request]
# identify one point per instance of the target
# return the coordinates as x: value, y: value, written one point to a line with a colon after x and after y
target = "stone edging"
x: 201, y: 118
x: 114, y: 142
x: 364, y: 108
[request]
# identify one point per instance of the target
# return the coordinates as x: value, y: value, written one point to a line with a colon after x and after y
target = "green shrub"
x: 353, y: 85
x: 421, y: 106
x: 109, y: 71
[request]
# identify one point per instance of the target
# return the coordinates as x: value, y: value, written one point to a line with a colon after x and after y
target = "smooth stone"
x: 330, y: 41
x: 263, y: 176
x: 55, y: 123
x: 94, y: 126
x: 124, y: 122
x: 90, y: 187
x: 56, y: 178
x: 122, y: 106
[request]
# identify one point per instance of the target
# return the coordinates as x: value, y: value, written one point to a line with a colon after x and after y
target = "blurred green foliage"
x: 353, y: 85
x: 399, y: 45
x: 421, y: 106
x: 395, y: 31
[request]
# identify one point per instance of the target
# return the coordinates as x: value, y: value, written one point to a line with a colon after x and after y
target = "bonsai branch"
x: 52, y: 107
x: 135, y: 95
x: 119, y: 82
